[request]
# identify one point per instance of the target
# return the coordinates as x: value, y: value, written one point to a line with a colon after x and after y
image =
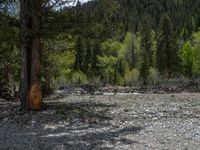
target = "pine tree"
x: 87, y: 57
x: 146, y: 49
x: 79, y: 47
x: 30, y: 91
x: 96, y: 51
x: 120, y: 67
x: 167, y: 49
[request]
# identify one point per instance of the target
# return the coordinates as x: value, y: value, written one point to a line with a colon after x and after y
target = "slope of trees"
x: 118, y: 42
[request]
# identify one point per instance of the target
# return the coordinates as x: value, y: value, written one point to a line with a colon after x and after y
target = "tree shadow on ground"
x: 89, y: 127
x: 96, y: 140
x: 71, y: 126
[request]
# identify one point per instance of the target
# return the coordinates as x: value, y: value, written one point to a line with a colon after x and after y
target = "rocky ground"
x: 119, y: 122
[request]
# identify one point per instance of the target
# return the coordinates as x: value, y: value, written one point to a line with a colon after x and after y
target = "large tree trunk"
x: 30, y: 92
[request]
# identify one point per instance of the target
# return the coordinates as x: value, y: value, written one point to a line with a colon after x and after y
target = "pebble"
x: 5, y: 119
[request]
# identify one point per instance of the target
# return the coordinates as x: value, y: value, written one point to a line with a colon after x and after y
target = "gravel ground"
x: 120, y: 122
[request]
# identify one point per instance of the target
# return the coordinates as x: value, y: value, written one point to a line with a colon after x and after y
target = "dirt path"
x: 127, y: 122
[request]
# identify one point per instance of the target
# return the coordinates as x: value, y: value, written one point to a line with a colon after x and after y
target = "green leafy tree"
x: 146, y: 50
x: 108, y: 60
x: 187, y: 55
x: 196, y: 57
x: 129, y: 48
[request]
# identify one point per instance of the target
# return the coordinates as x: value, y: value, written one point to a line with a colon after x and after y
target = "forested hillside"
x: 124, y: 41
x: 116, y: 42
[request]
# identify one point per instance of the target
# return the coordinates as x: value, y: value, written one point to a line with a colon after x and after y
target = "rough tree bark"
x: 30, y: 91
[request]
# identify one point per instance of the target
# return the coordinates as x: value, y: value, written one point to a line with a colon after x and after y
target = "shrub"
x: 78, y: 78
x: 131, y: 77
x: 153, y: 76
x: 96, y: 81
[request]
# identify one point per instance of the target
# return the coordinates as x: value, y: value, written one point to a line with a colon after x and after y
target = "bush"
x: 153, y: 76
x: 96, y: 81
x: 131, y: 77
x: 78, y: 78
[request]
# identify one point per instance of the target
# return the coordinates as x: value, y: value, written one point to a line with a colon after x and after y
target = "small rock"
x: 126, y: 110
x: 172, y: 96
x: 98, y: 93
x: 5, y: 119
x: 155, y: 118
x: 33, y: 123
